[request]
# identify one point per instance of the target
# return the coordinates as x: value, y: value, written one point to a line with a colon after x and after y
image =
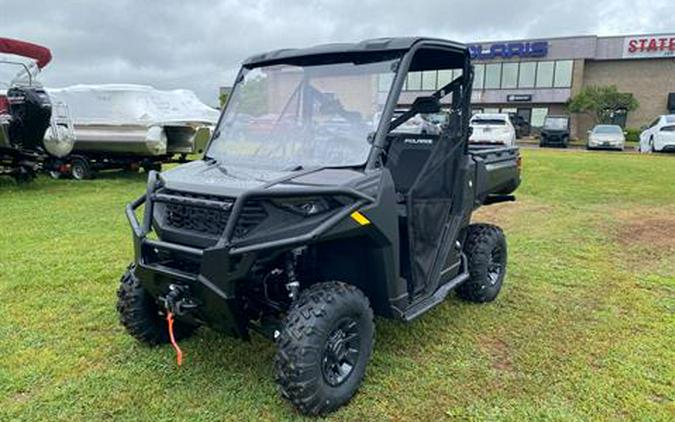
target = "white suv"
x: 659, y: 136
x: 493, y: 128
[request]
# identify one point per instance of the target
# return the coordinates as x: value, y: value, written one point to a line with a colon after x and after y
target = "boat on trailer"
x: 132, y: 126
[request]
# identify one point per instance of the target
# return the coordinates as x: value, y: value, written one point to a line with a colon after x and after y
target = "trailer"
x: 124, y: 126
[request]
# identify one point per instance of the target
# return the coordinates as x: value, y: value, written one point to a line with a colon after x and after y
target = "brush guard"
x: 210, y: 275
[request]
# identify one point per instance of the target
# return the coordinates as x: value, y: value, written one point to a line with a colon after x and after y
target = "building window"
x: 414, y: 81
x: 509, y: 75
x: 563, y: 74
x: 478, y: 73
x: 538, y: 116
x: 491, y: 110
x: 429, y: 80
x: 527, y: 73
x: 444, y: 78
x: 545, y: 74
x: 493, y: 75
x: 456, y: 73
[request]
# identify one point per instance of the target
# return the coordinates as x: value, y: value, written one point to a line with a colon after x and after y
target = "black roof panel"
x: 377, y: 44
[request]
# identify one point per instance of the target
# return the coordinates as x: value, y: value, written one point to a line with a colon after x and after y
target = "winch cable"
x: 179, y: 353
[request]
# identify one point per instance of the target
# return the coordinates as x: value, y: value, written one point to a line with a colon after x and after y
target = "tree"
x: 602, y: 102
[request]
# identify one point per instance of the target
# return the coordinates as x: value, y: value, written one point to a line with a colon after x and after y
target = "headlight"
x: 306, y: 206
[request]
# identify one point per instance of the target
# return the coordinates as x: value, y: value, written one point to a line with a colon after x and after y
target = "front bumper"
x: 553, y: 140
x: 211, y: 274
x: 605, y: 144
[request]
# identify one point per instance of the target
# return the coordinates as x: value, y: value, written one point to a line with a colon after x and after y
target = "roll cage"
x: 416, y: 54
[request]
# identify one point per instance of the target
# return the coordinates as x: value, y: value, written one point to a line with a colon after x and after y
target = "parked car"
x: 659, y: 136
x: 555, y: 131
x: 303, y: 233
x: 606, y: 136
x: 421, y: 124
x: 492, y: 128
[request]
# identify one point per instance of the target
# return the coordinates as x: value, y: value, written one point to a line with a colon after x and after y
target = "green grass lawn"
x: 583, y: 329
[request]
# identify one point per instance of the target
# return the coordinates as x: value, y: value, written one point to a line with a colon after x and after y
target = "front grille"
x: 210, y: 221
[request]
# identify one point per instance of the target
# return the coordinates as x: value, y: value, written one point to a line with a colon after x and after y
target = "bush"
x: 633, y: 134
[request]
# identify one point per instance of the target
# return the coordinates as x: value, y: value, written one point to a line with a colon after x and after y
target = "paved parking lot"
x: 534, y: 143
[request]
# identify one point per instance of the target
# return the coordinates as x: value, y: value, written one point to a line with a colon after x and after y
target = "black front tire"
x: 486, y: 253
x: 140, y: 314
x: 324, y: 346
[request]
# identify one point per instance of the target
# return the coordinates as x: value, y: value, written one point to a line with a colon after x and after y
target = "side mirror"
x: 426, y: 105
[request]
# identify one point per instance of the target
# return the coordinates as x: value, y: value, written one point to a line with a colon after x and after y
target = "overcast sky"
x: 198, y: 44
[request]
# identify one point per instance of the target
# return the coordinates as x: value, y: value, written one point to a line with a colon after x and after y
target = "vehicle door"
x: 428, y: 172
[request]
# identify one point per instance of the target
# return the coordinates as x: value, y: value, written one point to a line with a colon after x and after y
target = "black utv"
x: 555, y: 132
x: 309, y: 213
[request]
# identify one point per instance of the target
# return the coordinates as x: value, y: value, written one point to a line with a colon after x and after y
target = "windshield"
x: 16, y: 71
x: 555, y: 123
x: 288, y: 116
x: 607, y: 129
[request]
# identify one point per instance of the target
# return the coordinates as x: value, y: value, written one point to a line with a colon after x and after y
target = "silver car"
x: 606, y: 137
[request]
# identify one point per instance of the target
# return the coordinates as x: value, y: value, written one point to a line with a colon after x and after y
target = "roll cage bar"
x: 386, y: 124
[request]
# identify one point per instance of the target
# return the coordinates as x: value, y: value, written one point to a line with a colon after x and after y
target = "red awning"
x: 22, y: 48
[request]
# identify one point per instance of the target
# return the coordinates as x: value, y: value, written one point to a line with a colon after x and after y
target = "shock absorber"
x: 293, y: 285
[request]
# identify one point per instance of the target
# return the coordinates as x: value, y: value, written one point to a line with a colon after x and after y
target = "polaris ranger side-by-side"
x: 310, y: 213
x: 555, y: 131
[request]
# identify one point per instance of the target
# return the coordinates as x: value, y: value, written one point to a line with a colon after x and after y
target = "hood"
x: 212, y: 178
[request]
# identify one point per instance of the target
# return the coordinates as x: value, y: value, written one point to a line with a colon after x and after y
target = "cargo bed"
x: 496, y: 171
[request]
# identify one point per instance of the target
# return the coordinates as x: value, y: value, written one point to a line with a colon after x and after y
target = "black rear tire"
x: 140, y: 314
x: 486, y: 253
x: 324, y: 346
x: 80, y: 169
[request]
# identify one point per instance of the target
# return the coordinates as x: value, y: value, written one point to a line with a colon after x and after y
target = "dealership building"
x: 537, y: 77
